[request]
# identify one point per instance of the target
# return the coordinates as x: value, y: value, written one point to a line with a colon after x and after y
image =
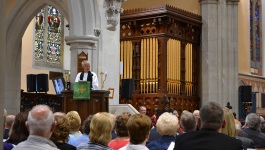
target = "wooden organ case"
x: 160, y: 49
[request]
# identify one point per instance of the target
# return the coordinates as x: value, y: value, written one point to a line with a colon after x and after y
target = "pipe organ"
x: 159, y: 49
x: 173, y: 66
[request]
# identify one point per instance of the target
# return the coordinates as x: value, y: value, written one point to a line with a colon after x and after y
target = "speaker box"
x: 127, y: 88
x: 31, y: 82
x: 42, y: 83
x: 262, y: 100
x: 245, y: 93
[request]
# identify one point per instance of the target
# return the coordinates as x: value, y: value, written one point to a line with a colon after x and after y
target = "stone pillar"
x: 2, y: 63
x: 79, y: 43
x: 219, y: 52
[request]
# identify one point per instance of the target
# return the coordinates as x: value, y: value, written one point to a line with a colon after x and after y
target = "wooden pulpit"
x: 98, y: 102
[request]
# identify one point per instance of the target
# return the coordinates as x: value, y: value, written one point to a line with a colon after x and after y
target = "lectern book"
x: 81, y: 91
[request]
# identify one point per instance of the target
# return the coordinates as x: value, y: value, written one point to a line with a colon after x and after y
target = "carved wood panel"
x: 163, y: 23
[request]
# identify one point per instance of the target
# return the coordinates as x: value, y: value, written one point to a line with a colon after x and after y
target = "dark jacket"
x: 162, y: 143
x: 255, y: 135
x: 206, y: 139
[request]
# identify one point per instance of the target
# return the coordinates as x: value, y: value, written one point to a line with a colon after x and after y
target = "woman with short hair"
x: 167, y: 126
x: 61, y: 133
x: 121, y: 131
x: 100, y: 133
x: 75, y: 123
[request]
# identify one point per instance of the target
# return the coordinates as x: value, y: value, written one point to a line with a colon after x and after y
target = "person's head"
x: 19, y: 131
x: 175, y: 113
x: 74, y: 120
x: 187, y: 121
x: 142, y: 110
x: 41, y: 121
x: 212, y: 116
x: 61, y: 132
x: 86, y: 125
x: 139, y: 126
x: 9, y: 121
x: 120, y: 124
x: 196, y: 114
x: 100, y: 128
x: 230, y: 128
x: 252, y: 121
x: 86, y: 65
x: 262, y: 124
x: 167, y: 124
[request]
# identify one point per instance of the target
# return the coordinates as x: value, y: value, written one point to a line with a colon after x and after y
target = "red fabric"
x: 154, y: 120
x: 117, y: 144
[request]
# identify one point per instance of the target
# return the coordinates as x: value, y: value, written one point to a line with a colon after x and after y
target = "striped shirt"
x: 94, y: 146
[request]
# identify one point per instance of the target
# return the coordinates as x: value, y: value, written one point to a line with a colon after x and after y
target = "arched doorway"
x: 17, y: 22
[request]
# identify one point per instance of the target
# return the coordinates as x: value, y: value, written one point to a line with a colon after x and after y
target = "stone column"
x: 79, y: 43
x: 2, y: 62
x: 233, y: 54
x: 219, y: 52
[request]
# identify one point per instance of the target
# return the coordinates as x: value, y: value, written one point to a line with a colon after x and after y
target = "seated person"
x: 208, y: 137
x: 167, y: 126
x: 86, y: 130
x: 121, y: 131
x: 75, y: 123
x: 19, y: 131
x: 187, y: 121
x: 100, y: 133
x: 61, y: 133
x: 246, y: 142
x: 230, y: 128
x: 252, y: 130
x: 9, y: 121
x: 41, y: 124
x: 139, y: 126
x: 6, y: 146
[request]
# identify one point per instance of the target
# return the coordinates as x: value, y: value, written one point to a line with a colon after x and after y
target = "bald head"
x: 40, y: 112
x: 40, y: 120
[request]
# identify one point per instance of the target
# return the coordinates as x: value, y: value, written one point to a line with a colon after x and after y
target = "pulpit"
x: 98, y: 102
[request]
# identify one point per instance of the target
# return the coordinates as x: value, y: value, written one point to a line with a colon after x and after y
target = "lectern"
x: 98, y: 102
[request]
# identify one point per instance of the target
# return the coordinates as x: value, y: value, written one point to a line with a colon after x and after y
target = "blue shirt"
x: 82, y: 139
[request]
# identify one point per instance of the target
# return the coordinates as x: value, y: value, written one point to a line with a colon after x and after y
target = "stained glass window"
x: 39, y: 36
x: 255, y: 34
x: 251, y: 30
x: 48, y: 38
x: 54, y: 35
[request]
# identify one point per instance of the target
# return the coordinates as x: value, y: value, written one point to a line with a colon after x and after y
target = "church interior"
x: 183, y: 53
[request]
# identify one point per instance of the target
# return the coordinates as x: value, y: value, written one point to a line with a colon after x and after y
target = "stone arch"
x: 17, y: 22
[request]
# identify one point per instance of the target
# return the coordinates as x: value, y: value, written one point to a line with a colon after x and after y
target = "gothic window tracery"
x: 48, y: 48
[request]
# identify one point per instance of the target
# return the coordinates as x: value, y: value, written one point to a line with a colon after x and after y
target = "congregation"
x: 213, y: 127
